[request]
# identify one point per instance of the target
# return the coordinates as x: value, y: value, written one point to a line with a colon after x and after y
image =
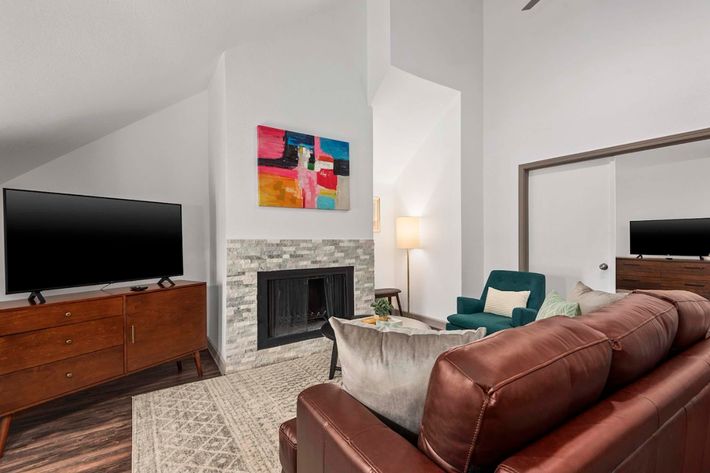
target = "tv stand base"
x: 35, y: 297
x: 164, y: 281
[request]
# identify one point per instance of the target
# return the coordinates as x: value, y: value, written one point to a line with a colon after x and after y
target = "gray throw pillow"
x: 590, y: 300
x: 387, y: 369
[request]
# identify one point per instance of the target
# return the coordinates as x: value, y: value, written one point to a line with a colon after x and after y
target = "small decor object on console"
x: 302, y: 171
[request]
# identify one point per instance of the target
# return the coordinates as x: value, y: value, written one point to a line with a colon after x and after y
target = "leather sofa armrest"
x: 337, y: 433
x: 523, y: 316
x: 468, y: 305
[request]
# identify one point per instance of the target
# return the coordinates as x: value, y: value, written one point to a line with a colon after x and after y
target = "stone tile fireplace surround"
x: 246, y: 258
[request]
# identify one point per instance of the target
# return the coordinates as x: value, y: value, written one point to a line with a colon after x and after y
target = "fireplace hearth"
x: 292, y: 305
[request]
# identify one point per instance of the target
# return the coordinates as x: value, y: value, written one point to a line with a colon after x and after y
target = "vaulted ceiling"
x: 72, y: 71
x: 406, y: 108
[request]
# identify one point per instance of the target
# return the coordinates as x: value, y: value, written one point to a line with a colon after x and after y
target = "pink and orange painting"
x: 302, y: 171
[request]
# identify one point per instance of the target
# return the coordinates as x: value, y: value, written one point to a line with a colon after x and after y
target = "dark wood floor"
x: 89, y: 431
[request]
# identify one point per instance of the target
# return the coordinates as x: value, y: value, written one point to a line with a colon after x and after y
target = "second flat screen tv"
x: 55, y: 241
x: 680, y: 237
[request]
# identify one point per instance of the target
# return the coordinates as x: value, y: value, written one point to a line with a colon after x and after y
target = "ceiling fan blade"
x: 530, y: 4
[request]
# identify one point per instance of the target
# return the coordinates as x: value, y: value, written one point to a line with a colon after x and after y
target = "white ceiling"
x: 72, y: 71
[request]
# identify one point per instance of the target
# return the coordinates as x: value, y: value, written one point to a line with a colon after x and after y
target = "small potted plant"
x: 382, y: 309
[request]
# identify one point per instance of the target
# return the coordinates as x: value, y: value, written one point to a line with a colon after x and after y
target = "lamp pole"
x: 408, y: 281
x: 407, y: 237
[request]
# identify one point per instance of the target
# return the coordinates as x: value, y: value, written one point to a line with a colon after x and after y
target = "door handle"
x: 603, y: 266
x: 133, y: 334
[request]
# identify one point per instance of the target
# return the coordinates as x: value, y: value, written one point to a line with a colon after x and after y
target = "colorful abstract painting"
x: 302, y: 171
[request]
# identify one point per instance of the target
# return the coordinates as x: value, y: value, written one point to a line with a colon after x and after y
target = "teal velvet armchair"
x: 469, y: 311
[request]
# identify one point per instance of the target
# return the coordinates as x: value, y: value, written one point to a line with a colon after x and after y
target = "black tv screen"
x: 682, y: 237
x: 55, y: 241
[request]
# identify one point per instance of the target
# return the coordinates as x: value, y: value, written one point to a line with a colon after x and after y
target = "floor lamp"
x: 407, y: 230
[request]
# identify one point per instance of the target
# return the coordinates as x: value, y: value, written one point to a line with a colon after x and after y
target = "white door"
x: 572, y: 231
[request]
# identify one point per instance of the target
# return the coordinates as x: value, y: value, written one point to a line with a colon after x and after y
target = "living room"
x: 387, y: 235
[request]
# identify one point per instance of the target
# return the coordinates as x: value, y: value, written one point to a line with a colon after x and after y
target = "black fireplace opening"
x: 292, y: 305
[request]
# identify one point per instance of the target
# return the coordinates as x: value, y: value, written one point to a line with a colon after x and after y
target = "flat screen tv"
x: 55, y: 241
x: 681, y: 237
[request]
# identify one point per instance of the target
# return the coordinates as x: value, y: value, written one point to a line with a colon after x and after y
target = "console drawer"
x: 692, y: 285
x: 638, y: 267
x: 25, y: 319
x: 679, y: 274
x: 31, y: 386
x: 30, y: 349
x: 630, y: 283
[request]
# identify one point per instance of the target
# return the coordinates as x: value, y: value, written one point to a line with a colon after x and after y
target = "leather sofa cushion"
x: 288, y: 446
x: 641, y: 328
x: 622, y: 429
x: 693, y: 316
x: 490, y: 398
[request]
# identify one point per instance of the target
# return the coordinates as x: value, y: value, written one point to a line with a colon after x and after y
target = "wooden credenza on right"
x: 659, y: 273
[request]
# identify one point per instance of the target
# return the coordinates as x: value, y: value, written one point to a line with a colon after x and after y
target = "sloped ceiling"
x: 72, y: 71
x: 405, y: 110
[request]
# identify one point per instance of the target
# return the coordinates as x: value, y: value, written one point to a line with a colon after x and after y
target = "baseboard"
x: 221, y: 364
x: 437, y: 324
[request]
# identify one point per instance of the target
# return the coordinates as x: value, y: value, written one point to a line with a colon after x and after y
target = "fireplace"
x: 293, y: 304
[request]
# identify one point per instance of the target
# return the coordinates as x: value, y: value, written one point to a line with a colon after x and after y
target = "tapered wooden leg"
x: 179, y: 365
x: 399, y: 305
x: 198, y: 363
x: 4, y: 431
x: 333, y: 361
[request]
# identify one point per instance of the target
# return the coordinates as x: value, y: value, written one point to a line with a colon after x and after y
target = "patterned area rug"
x: 222, y: 424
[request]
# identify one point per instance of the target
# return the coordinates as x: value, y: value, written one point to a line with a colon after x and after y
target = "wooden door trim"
x: 618, y: 150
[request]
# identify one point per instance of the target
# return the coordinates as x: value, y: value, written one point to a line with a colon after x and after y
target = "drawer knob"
x: 69, y: 375
x: 67, y: 315
x: 68, y: 341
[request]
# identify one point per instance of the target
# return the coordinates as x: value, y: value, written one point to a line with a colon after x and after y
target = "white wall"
x: 379, y: 48
x: 217, y: 165
x: 661, y: 184
x: 570, y: 76
x: 162, y: 157
x: 430, y: 189
x: 417, y: 165
x: 442, y: 41
x: 311, y: 78
x: 386, y: 261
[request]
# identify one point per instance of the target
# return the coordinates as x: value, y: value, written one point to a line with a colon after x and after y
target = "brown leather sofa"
x: 625, y: 389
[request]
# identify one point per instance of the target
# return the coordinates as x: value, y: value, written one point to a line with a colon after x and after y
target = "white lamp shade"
x: 407, y: 232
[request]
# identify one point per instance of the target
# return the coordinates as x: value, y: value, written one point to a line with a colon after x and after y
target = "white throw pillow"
x: 503, y: 302
x: 387, y: 369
